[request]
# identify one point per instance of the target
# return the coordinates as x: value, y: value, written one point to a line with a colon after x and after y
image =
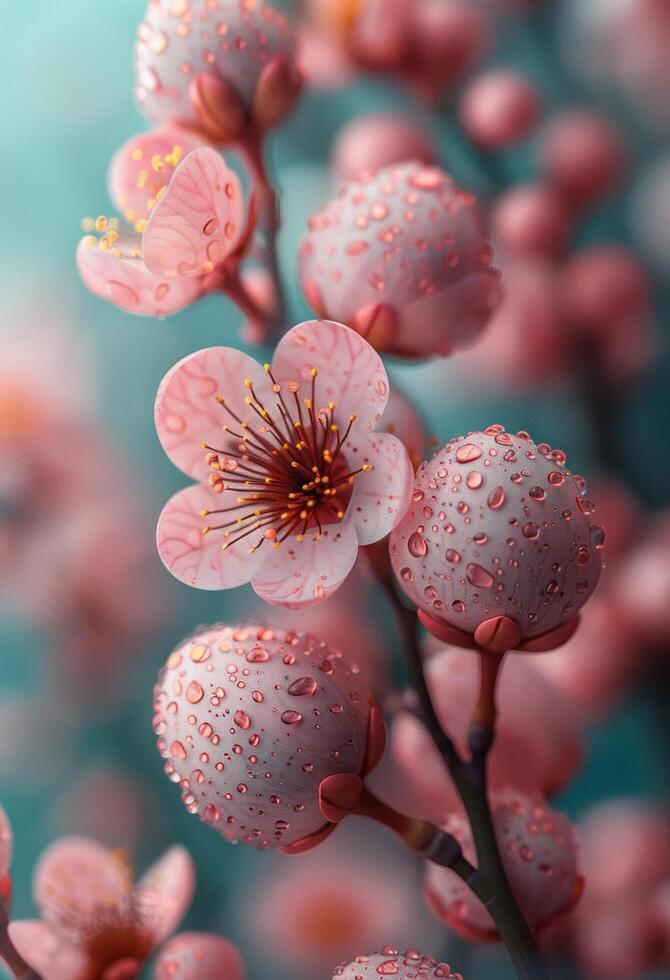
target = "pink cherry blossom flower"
x: 227, y: 69
x: 539, y: 852
x: 94, y: 922
x: 499, y: 108
x: 402, y: 419
x: 297, y: 478
x: 392, y: 961
x: 187, y: 233
x: 401, y: 257
x: 497, y: 547
x: 198, y: 956
x: 273, y: 681
x: 536, y: 723
x: 377, y: 140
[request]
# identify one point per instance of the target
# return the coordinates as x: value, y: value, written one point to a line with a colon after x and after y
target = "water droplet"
x: 304, y: 686
x: 194, y: 693
x: 417, y: 546
x: 496, y: 498
x: 478, y: 576
x: 291, y: 717
x: 468, y: 453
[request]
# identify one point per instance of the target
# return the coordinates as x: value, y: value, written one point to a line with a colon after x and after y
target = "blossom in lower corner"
x: 538, y: 848
x: 393, y: 962
x: 293, y: 479
x: 198, y: 956
x: 94, y: 922
x: 251, y: 719
x: 184, y: 219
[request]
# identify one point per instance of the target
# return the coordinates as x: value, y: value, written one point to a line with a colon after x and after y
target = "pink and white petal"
x: 351, y: 372
x: 46, y: 950
x: 133, y: 180
x: 128, y: 284
x: 187, y: 411
x: 381, y: 496
x: 198, y: 220
x: 77, y: 878
x: 302, y: 573
x: 198, y: 559
x: 164, y: 893
x: 5, y: 842
x: 198, y: 954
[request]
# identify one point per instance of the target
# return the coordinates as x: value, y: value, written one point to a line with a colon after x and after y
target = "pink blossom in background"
x: 498, y: 527
x: 94, y: 922
x: 401, y: 257
x: 536, y: 723
x: 403, y: 420
x: 106, y: 804
x: 641, y: 585
x: 393, y: 961
x: 274, y: 681
x: 539, y: 851
x: 530, y: 221
x: 499, y: 109
x: 198, y: 956
x: 185, y: 240
x: 370, y: 142
x: 5, y: 857
x: 297, y: 480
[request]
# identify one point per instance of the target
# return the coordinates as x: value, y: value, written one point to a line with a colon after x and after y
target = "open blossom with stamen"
x: 498, y: 545
x: 400, y: 256
x: 391, y: 961
x: 539, y: 852
x: 251, y: 719
x: 293, y: 479
x: 95, y: 924
x: 185, y: 231
x: 198, y: 956
x: 226, y: 68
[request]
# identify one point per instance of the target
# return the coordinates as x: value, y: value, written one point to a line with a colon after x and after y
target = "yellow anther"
x: 130, y: 215
x: 220, y: 399
x: 101, y: 223
x: 151, y: 203
x: 366, y: 467
x: 87, y: 224
x: 204, y: 513
x: 161, y: 192
x: 300, y: 537
x: 352, y: 418
x: 157, y: 162
x: 142, y: 179
x: 141, y: 226
x: 104, y: 245
x: 114, y: 223
x: 248, y: 383
x: 137, y: 154
x: 204, y: 530
x: 90, y: 241
x: 266, y: 367
x: 314, y: 373
x: 112, y: 235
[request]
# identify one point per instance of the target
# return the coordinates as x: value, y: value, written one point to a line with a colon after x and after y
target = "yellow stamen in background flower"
x: 90, y: 241
x: 101, y: 223
x: 88, y: 224
x: 141, y: 226
x: 137, y: 154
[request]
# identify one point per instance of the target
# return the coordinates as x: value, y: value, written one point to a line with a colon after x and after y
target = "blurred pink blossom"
x: 198, y: 956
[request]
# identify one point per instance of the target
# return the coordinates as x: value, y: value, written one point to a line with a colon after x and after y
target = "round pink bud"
x: 250, y: 719
x: 530, y: 220
x: 604, y: 286
x: 378, y: 140
x: 582, y: 155
x: 499, y: 108
x: 198, y: 956
x: 539, y: 852
x: 222, y: 68
x: 401, y: 257
x: 498, y: 533
x: 391, y: 961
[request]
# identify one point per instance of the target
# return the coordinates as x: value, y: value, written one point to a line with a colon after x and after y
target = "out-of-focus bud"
x: 582, y: 155
x: 377, y: 140
x: 530, y: 220
x: 499, y: 109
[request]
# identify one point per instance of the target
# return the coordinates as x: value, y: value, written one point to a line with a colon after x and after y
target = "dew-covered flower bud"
x: 539, y: 852
x: 498, y: 545
x: 250, y: 719
x: 391, y: 961
x: 226, y: 69
x: 401, y: 257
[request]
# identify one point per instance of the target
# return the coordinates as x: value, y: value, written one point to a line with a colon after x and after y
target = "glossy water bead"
x: 251, y: 719
x: 392, y: 962
x: 400, y: 255
x: 221, y: 66
x: 498, y: 527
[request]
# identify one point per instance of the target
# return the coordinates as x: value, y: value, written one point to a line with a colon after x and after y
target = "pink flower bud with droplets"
x: 198, y: 956
x: 401, y: 257
x: 187, y: 227
x: 539, y: 853
x: 390, y: 961
x: 499, y: 109
x: 582, y: 156
x: 530, y: 220
x: 536, y: 723
x: 251, y: 720
x: 226, y: 69
x: 378, y: 140
x: 497, y: 548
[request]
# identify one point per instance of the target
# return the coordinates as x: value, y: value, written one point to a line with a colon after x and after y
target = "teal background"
x: 67, y: 81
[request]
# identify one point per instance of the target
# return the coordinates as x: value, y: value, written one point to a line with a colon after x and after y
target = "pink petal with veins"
x: 201, y: 955
x: 45, y: 950
x: 163, y: 894
x: 198, y: 221
x: 381, y: 496
x: 136, y: 176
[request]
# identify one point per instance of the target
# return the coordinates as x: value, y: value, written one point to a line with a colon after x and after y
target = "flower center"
x: 290, y: 470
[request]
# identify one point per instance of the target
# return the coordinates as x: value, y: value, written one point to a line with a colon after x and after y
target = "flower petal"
x: 302, y: 573
x: 164, y: 893
x: 195, y: 558
x: 76, y: 878
x: 136, y: 175
x: 47, y: 952
x: 187, y: 411
x: 5, y: 842
x: 198, y: 220
x: 381, y: 496
x: 128, y: 284
x: 351, y: 372
x: 198, y: 954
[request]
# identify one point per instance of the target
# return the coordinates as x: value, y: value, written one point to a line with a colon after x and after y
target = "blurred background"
x: 88, y: 615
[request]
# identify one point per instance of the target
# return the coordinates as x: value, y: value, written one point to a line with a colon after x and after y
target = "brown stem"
x: 257, y: 318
